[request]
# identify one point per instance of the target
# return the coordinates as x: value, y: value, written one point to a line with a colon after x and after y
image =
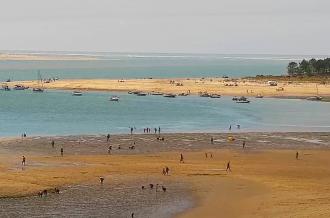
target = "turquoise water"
x: 121, y: 65
x: 60, y: 113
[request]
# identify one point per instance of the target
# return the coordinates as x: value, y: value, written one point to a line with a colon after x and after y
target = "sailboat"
x: 39, y: 88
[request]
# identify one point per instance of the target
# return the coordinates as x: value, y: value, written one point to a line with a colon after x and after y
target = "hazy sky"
x: 203, y: 26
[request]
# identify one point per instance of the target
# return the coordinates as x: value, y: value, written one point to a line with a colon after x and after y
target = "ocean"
x: 146, y: 65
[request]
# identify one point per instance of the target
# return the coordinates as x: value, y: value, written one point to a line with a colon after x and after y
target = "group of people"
x: 166, y: 171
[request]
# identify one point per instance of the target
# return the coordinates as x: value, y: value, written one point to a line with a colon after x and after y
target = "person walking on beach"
x: 53, y: 143
x: 297, y: 155
x: 155, y: 130
x: 62, y: 152
x: 243, y: 144
x: 230, y: 128
x: 205, y: 154
x: 159, y: 130
x: 181, y: 158
x: 131, y: 130
x: 228, y: 167
x: 108, y: 137
x: 23, y: 161
x: 212, y: 140
x: 167, y: 170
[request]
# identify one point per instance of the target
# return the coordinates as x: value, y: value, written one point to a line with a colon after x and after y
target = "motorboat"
x: 38, y: 90
x: 114, y: 98
x: 242, y: 100
x: 215, y: 96
x: 76, y: 93
x: 183, y: 94
x: 169, y: 95
x: 141, y: 94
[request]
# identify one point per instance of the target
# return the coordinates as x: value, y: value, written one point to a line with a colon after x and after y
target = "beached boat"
x: 156, y: 93
x: 39, y: 88
x: 314, y: 98
x: 169, y: 95
x: 76, y: 93
x: 204, y: 94
x: 141, y: 94
x: 114, y: 98
x: 20, y: 87
x: 215, y: 96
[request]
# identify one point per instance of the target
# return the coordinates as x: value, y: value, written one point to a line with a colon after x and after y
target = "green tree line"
x: 312, y: 67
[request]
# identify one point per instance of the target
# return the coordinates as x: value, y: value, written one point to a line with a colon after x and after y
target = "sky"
x: 181, y: 26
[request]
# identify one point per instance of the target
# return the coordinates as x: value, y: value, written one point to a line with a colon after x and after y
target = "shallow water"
x: 117, y: 200
x: 60, y: 113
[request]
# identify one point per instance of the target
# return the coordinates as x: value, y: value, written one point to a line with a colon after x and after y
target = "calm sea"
x: 122, y: 65
x: 60, y: 113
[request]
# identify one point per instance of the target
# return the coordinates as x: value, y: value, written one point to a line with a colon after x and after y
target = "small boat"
x: 204, y: 94
x: 114, y: 98
x: 169, y: 95
x: 259, y: 96
x: 156, y: 93
x: 136, y: 92
x: 77, y: 93
x: 130, y: 92
x: 141, y: 94
x: 37, y: 90
x: 20, y: 87
x: 215, y: 96
x: 242, y: 100
x: 314, y: 98
x: 183, y: 94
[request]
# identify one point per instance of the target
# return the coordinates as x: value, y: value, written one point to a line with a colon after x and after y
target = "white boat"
x: 76, y: 93
x: 114, y: 98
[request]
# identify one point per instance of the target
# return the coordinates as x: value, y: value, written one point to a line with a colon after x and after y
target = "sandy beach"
x: 266, y: 179
x: 239, y: 87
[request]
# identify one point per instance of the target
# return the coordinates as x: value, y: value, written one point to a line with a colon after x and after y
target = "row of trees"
x: 310, y: 67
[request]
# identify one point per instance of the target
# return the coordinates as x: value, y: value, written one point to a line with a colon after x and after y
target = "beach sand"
x: 266, y: 179
x: 220, y: 86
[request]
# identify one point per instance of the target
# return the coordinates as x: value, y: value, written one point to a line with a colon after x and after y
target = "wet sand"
x: 243, y: 87
x: 266, y: 179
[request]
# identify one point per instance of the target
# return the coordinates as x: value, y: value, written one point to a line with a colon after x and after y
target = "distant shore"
x: 250, y: 87
x: 266, y: 177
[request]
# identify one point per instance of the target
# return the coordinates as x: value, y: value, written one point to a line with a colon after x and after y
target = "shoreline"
x: 265, y: 168
x: 193, y: 86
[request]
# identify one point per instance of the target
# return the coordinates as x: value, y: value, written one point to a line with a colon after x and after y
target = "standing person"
x: 155, y: 130
x: 228, y: 167
x: 297, y: 155
x: 159, y: 130
x: 131, y: 130
x: 230, y: 128
x: 167, y: 170
x: 244, y: 144
x: 23, y: 161
x: 53, y: 143
x: 62, y: 152
x: 205, y: 154
x: 108, y: 137
x: 212, y: 140
x: 181, y: 158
